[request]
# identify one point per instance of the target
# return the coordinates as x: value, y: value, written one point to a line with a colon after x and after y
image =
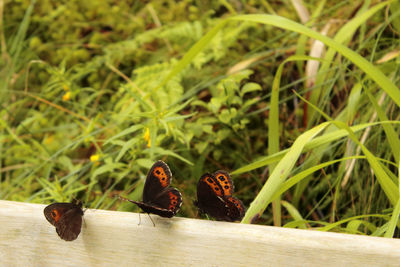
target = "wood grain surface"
x: 111, y: 238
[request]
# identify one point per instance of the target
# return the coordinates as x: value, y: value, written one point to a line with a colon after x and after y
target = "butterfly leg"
x: 151, y: 220
x: 140, y: 219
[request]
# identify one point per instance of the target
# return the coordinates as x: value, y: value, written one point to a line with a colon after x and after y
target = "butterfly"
x: 66, y: 217
x: 214, y: 197
x: 158, y: 196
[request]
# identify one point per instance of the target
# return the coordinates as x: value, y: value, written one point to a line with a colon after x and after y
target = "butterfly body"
x: 214, y: 197
x: 66, y: 217
x: 158, y: 196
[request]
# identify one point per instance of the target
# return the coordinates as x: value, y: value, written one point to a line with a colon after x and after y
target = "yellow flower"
x: 48, y: 140
x: 66, y: 96
x: 94, y: 158
x: 147, y: 137
x: 149, y: 143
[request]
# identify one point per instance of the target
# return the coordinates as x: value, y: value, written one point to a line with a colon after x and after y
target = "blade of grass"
x: 302, y: 42
x: 318, y: 141
x: 353, y: 226
x: 395, y: 215
x: 4, y: 125
x: 126, y: 131
x: 304, y: 174
x: 193, y: 51
x: 15, y: 50
x: 393, y: 220
x: 391, y: 134
x: 273, y: 126
x: 343, y: 36
x: 383, y: 178
x: 280, y: 173
x: 294, y: 213
x: 335, y: 224
x: 373, y: 72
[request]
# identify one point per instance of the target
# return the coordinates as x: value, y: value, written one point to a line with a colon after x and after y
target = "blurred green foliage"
x: 83, y: 114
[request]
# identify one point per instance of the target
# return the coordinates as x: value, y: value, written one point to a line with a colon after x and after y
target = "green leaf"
x: 193, y: 51
x: 250, y: 87
x: 127, y: 131
x: 109, y: 167
x: 294, y: 213
x: 162, y: 151
x: 125, y: 147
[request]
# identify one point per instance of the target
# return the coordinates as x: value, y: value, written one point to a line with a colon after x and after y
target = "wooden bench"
x: 111, y: 238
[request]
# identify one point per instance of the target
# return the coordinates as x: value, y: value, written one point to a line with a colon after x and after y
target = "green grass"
x: 93, y: 93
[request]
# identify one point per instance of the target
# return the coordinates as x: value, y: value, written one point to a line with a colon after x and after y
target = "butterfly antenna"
x: 151, y: 220
x: 122, y: 198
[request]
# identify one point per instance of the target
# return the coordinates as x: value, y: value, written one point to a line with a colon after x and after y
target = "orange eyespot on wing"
x: 212, y: 183
x: 158, y: 196
x: 214, y: 197
x: 161, y: 175
x: 225, y: 181
x: 56, y: 215
x: 66, y: 217
x: 174, y: 200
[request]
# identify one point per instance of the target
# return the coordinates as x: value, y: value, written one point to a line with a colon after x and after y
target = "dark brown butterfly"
x: 158, y: 196
x: 66, y: 217
x: 214, y: 197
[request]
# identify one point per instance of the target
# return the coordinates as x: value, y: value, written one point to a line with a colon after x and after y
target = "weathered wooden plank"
x: 111, y: 238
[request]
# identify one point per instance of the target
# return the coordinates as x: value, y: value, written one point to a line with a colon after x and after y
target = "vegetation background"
x: 93, y: 92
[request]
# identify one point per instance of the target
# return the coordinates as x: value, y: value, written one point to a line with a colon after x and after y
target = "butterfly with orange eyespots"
x: 214, y: 197
x: 158, y: 196
x: 66, y: 217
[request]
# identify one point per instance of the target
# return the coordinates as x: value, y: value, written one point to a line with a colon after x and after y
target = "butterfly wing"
x: 170, y: 199
x: 53, y: 212
x: 157, y: 180
x: 210, y: 197
x: 225, y: 180
x: 158, y: 197
x: 66, y: 217
x: 214, y: 194
x: 236, y: 209
x: 70, y: 224
x: 166, y: 204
